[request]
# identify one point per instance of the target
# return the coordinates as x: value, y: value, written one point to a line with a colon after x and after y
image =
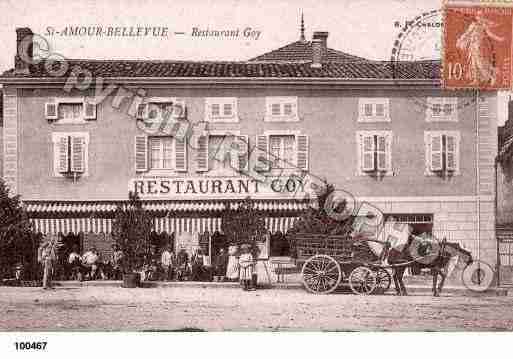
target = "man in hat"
x: 47, y: 256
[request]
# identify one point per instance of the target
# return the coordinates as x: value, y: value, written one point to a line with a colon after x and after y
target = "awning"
x: 77, y: 208
x: 163, y: 224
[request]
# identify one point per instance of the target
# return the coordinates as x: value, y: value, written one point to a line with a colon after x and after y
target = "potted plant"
x: 131, y: 230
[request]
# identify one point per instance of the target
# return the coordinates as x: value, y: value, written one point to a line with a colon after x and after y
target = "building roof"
x: 248, y: 69
x: 301, y: 51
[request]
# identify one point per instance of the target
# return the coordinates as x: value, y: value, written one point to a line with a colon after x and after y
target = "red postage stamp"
x: 477, y: 47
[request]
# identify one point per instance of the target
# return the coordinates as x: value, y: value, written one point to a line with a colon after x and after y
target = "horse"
x: 420, y: 252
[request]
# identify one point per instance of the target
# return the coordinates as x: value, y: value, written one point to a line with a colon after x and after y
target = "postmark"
x: 420, y: 40
x: 477, y: 48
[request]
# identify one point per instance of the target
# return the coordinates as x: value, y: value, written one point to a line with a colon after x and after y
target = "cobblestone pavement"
x: 108, y: 308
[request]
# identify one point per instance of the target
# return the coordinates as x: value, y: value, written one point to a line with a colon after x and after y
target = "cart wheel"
x: 362, y: 280
x: 321, y: 274
x: 383, y: 281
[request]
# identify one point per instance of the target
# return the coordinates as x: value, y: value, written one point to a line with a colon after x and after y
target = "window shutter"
x: 202, y: 154
x: 181, y: 154
x: 262, y: 142
x: 77, y: 155
x: 62, y: 154
x: 141, y: 153
x: 368, y: 153
x: 243, y: 164
x: 451, y: 153
x: 436, y: 153
x: 142, y: 111
x: 302, y: 152
x: 51, y: 111
x: 89, y: 110
x: 381, y: 152
x: 179, y: 110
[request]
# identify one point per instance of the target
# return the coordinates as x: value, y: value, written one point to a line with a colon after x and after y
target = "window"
x: 70, y: 153
x: 221, y: 153
x: 160, y: 153
x: 278, y: 150
x: 281, y: 109
x: 159, y: 108
x: 373, y: 109
x: 281, y: 150
x: 374, y: 152
x: 221, y: 109
x: 442, y: 152
x: 70, y: 110
x: 441, y: 109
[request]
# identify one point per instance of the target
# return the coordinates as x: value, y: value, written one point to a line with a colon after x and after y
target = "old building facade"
x: 384, y: 132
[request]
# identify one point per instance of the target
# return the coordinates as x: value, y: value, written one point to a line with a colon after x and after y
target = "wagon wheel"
x: 383, y: 280
x: 321, y: 274
x: 362, y: 280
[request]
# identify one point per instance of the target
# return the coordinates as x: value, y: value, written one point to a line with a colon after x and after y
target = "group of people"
x: 235, y: 264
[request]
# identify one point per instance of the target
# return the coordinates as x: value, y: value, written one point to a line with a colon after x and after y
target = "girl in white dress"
x: 232, y: 269
x: 246, y: 264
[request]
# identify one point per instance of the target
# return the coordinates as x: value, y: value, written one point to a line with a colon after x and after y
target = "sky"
x: 360, y: 27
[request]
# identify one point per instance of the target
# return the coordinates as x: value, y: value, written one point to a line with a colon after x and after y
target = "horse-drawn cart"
x: 330, y: 261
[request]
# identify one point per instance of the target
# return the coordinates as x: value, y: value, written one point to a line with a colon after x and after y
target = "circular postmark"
x: 417, y: 49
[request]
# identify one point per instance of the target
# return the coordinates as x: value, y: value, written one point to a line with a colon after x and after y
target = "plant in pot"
x: 131, y: 230
x: 245, y: 225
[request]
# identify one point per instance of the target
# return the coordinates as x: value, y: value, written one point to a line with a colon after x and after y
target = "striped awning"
x: 163, y: 224
x: 103, y: 207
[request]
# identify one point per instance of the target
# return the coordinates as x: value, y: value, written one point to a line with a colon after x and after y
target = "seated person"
x: 92, y: 263
x: 75, y: 264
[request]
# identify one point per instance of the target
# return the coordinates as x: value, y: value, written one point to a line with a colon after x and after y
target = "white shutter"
x: 181, y: 154
x: 89, y: 110
x: 141, y: 153
x: 179, y: 110
x: 435, y: 152
x: 62, y: 154
x: 262, y: 144
x: 77, y: 154
x: 368, y: 150
x: 302, y: 152
x: 381, y: 153
x: 243, y: 153
x: 450, y: 153
x: 51, y: 111
x: 202, y: 154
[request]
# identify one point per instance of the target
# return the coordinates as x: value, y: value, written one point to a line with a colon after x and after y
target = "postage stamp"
x: 477, y: 47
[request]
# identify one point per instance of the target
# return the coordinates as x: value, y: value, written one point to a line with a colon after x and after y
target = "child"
x: 246, y: 267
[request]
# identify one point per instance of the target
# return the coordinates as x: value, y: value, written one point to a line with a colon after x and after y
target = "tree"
x: 318, y: 221
x: 18, y: 244
x: 131, y: 230
x: 244, y: 225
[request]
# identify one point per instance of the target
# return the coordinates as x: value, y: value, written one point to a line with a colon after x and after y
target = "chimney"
x: 319, y: 48
x: 316, y: 54
x: 24, y: 50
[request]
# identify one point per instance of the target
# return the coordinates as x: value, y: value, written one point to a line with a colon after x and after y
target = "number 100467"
x: 30, y: 345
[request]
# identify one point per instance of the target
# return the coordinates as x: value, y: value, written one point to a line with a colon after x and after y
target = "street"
x: 216, y: 309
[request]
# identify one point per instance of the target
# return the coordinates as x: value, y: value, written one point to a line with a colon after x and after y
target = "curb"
x: 455, y: 290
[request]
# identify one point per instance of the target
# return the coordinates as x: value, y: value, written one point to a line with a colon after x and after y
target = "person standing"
x: 221, y: 265
x: 246, y: 267
x: 116, y: 262
x: 167, y: 262
x: 232, y: 269
x: 47, y: 256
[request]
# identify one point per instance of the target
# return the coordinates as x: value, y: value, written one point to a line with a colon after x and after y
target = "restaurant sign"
x: 216, y: 187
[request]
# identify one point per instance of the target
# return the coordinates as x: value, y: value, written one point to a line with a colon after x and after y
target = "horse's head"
x: 456, y: 249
